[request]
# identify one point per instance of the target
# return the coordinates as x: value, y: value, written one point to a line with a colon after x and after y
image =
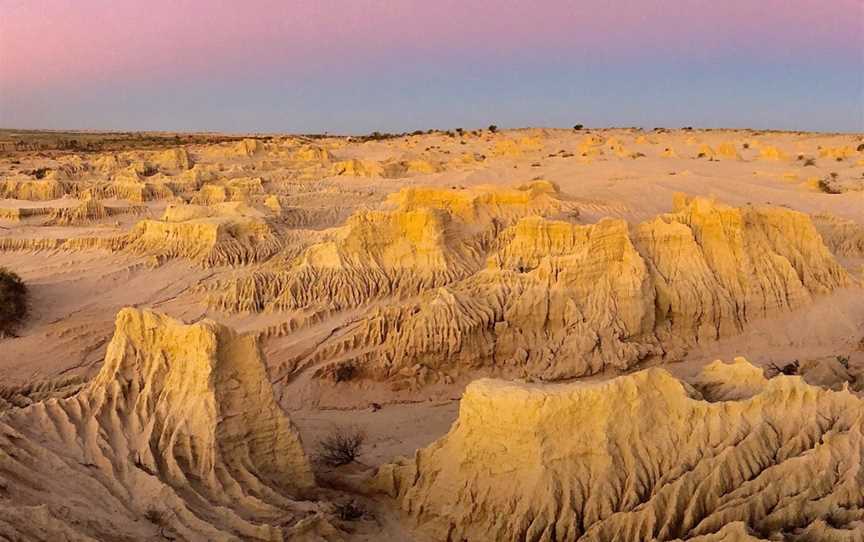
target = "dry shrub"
x: 341, y: 447
x: 13, y: 302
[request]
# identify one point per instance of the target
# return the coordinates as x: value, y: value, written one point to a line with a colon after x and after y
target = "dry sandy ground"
x: 75, y: 294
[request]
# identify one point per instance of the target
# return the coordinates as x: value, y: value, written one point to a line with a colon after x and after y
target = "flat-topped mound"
x: 640, y: 457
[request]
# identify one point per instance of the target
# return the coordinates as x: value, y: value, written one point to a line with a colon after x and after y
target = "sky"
x: 357, y: 66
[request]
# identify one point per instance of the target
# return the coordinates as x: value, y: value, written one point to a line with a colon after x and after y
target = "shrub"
x: 13, y: 302
x: 578, y: 127
x: 809, y: 162
x: 493, y: 128
x: 861, y: 147
x: 843, y: 360
x: 341, y: 446
x: 349, y: 511
x: 155, y: 516
x: 344, y: 372
x: 40, y: 173
x: 788, y: 369
x: 826, y: 187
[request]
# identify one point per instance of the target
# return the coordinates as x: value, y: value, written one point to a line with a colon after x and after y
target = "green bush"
x: 13, y: 302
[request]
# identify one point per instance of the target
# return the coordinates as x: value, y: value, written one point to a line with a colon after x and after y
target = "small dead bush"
x: 341, y: 447
x: 13, y: 302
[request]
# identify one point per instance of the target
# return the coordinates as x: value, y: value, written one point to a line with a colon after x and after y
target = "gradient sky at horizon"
x: 351, y: 66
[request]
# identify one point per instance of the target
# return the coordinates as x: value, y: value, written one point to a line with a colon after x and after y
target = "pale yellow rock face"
x: 767, y: 152
x: 846, y: 151
x: 31, y: 189
x: 843, y: 237
x: 558, y: 300
x: 226, y: 234
x: 358, y: 168
x: 176, y: 159
x: 91, y: 209
x: 714, y: 267
x: 640, y: 457
x: 180, y: 420
x: 425, y: 238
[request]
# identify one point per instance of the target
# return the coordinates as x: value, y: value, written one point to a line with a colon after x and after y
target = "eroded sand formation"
x: 179, y: 428
x: 559, y: 300
x: 641, y: 457
x: 370, y: 280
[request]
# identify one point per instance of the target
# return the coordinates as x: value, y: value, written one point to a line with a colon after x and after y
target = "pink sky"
x: 77, y: 42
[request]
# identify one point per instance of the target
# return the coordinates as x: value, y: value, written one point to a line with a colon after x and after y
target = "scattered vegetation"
x: 492, y: 128
x: 149, y: 170
x: 13, y: 302
x: 788, y: 369
x: 826, y: 184
x: 341, y: 447
x: 39, y: 173
x: 826, y: 187
x: 89, y: 142
x: 578, y: 127
x: 843, y: 360
x: 349, y: 511
x: 344, y: 372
